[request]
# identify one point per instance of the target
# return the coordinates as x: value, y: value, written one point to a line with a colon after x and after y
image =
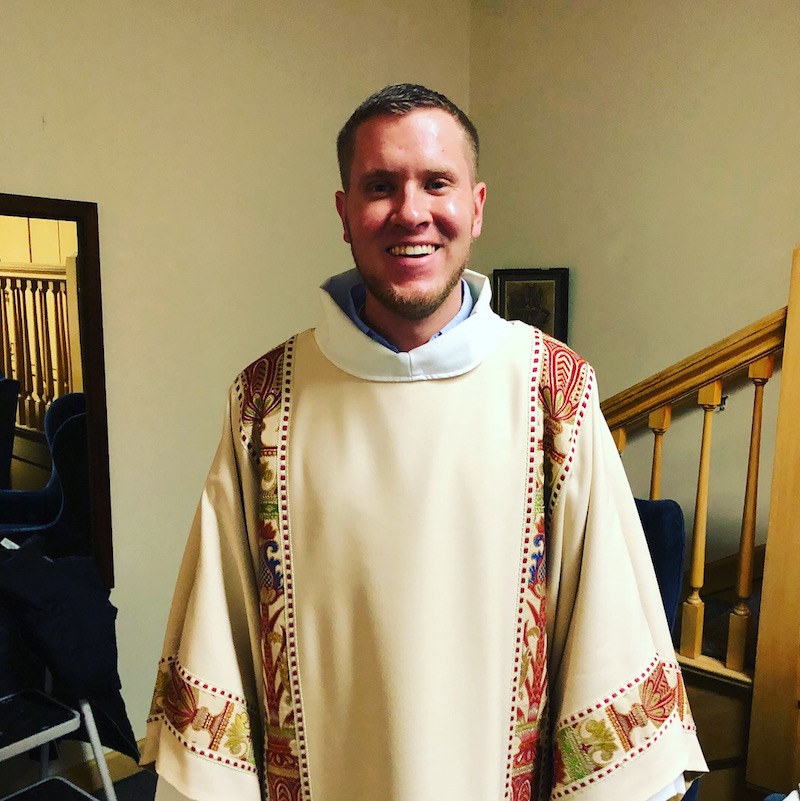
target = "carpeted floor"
x: 140, y: 787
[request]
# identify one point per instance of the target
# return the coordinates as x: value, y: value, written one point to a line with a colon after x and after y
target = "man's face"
x: 412, y: 210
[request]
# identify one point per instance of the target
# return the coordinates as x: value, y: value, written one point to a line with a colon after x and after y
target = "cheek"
x: 455, y: 217
x: 366, y: 221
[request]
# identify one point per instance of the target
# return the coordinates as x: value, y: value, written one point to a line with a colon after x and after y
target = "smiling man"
x: 410, y: 208
x: 417, y: 571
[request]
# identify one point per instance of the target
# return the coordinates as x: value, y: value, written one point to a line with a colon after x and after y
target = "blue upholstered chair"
x: 665, y: 533
x: 39, y: 507
x: 69, y: 532
x: 9, y: 394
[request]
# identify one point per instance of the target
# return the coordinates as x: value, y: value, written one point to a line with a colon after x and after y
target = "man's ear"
x: 341, y: 208
x: 478, y: 199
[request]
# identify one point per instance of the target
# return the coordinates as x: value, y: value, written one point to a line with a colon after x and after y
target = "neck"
x: 406, y: 334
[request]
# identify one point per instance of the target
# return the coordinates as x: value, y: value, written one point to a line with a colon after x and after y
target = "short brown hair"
x: 397, y: 100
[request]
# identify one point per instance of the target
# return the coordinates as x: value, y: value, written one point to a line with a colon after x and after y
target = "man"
x: 417, y: 571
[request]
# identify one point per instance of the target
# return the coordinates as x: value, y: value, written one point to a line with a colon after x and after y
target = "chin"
x: 416, y: 304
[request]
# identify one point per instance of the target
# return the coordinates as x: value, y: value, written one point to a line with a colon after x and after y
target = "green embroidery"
x: 603, y: 742
x: 577, y: 763
x: 538, y: 503
x: 238, y: 735
x: 268, y: 507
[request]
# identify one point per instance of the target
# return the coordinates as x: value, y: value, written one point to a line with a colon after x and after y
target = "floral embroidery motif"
x: 529, y: 719
x: 210, y: 721
x: 264, y: 396
x: 238, y: 734
x: 592, y: 744
x: 564, y: 391
x: 258, y: 389
x: 560, y: 382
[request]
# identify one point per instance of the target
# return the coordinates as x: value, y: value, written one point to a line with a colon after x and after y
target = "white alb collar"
x: 455, y: 352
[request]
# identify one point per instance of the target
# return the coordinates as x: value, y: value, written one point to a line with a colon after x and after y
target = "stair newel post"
x: 773, y: 754
x: 739, y: 621
x: 620, y: 437
x: 709, y: 397
x: 658, y: 422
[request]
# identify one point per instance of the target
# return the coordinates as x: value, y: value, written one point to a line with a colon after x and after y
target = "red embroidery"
x: 258, y: 389
x: 186, y: 705
x: 564, y: 391
x: 587, y: 748
x: 271, y: 378
x: 528, y: 738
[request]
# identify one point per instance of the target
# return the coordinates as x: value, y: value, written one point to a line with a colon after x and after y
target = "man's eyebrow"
x: 432, y: 172
x: 373, y: 174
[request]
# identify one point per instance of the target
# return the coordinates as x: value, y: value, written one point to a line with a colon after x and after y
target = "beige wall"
x: 205, y: 132
x: 649, y: 147
x: 652, y: 148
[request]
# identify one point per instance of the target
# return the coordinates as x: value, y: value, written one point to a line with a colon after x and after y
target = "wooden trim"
x: 776, y: 691
x: 92, y: 353
x: 32, y: 270
x: 709, y: 666
x: 714, y: 362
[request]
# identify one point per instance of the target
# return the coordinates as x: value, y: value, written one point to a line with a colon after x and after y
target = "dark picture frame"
x: 539, y: 297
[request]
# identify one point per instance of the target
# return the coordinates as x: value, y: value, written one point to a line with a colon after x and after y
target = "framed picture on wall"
x: 537, y: 297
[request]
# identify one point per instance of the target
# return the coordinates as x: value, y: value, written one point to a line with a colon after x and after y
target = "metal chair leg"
x: 94, y: 739
x: 44, y: 750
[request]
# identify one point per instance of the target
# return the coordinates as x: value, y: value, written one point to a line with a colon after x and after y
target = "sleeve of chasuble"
x: 620, y: 722
x: 205, y: 726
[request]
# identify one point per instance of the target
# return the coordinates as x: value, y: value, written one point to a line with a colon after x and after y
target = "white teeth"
x: 412, y: 250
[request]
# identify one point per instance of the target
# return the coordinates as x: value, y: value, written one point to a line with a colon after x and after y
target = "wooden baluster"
x: 73, y: 326
x: 37, y: 354
x: 620, y: 437
x: 48, y: 383
x: 739, y: 621
x: 709, y: 397
x: 5, y: 326
x: 64, y: 382
x: 658, y: 422
x: 22, y: 353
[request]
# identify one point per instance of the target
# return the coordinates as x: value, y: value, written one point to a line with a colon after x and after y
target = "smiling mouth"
x: 412, y: 250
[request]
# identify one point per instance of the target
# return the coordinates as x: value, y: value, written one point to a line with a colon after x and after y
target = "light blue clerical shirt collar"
x: 355, y: 299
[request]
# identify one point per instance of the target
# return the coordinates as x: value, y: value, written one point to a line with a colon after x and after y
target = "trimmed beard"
x: 414, y: 308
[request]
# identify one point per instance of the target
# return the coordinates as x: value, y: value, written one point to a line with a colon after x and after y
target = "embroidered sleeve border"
x: 207, y: 720
x: 595, y: 742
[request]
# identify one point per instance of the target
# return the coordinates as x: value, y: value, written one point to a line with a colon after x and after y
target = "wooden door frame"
x: 90, y: 322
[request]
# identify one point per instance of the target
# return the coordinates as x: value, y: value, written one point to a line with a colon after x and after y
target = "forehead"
x: 421, y: 137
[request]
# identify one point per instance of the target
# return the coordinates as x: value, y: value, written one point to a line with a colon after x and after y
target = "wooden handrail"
x: 730, y: 354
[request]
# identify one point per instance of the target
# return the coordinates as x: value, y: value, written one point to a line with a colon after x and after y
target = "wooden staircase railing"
x: 702, y: 376
x: 749, y: 355
x: 37, y: 345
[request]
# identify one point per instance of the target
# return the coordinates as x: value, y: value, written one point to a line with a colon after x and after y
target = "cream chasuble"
x: 418, y: 576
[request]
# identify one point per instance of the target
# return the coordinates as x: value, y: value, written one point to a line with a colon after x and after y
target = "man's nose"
x: 411, y: 209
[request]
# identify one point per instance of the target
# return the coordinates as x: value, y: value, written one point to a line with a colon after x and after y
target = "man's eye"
x: 379, y: 188
x: 437, y: 184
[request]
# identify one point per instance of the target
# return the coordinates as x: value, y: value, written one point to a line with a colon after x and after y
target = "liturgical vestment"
x: 418, y: 576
